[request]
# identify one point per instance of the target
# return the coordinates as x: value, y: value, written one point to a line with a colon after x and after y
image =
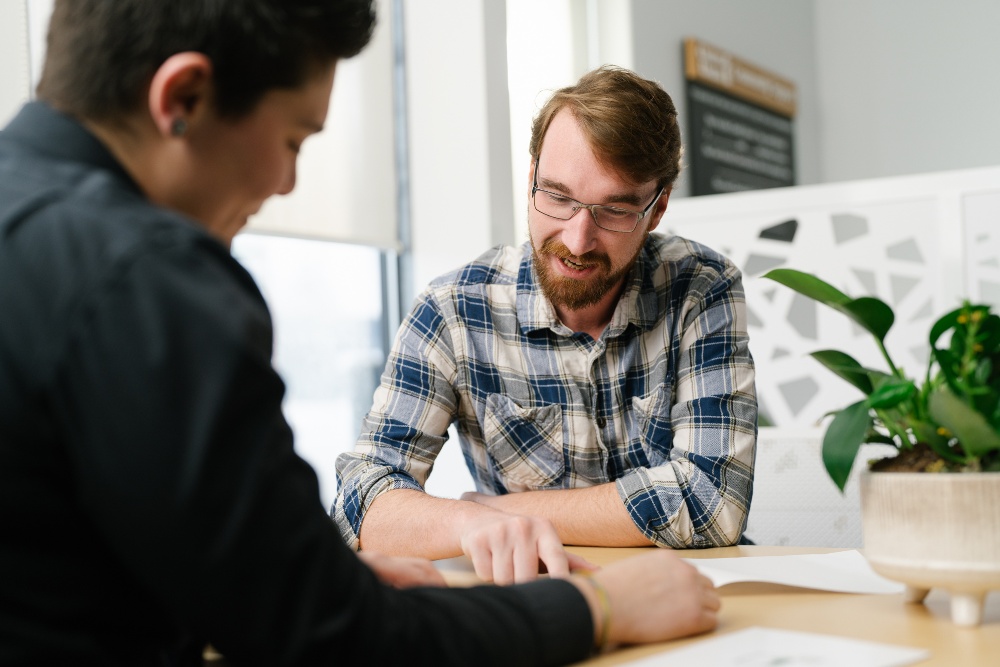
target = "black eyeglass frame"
x: 590, y: 207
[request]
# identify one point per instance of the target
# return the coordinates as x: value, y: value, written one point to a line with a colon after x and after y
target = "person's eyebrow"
x: 624, y: 198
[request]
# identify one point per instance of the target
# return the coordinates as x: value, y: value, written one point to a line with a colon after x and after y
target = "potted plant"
x: 931, y: 514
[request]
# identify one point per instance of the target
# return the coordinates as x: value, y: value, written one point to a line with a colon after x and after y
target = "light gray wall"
x: 907, y: 87
x: 15, y: 69
x: 886, y: 87
x: 777, y: 35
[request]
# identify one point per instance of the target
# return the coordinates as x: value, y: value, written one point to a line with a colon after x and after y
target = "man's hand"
x: 402, y: 572
x: 508, y: 548
x: 654, y: 597
x: 505, y: 546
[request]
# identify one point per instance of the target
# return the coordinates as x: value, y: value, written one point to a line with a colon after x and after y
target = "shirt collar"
x: 54, y: 134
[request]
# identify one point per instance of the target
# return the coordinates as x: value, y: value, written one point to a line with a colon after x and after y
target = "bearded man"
x: 598, y: 376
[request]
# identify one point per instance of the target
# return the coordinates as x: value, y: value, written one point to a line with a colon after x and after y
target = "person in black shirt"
x: 150, y: 498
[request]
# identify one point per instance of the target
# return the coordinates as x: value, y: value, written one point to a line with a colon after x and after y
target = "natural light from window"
x: 326, y: 304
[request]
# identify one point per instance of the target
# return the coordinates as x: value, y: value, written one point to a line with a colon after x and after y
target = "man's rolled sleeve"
x: 701, y: 497
x: 407, y: 425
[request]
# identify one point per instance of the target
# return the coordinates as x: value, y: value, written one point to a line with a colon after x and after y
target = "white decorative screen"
x: 900, y: 242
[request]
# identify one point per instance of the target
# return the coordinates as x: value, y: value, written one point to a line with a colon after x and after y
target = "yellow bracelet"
x: 604, y: 601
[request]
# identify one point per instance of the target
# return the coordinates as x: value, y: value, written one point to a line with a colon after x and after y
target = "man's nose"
x: 580, y: 232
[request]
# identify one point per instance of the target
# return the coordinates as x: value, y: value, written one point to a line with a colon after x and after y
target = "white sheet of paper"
x: 767, y: 647
x: 840, y: 571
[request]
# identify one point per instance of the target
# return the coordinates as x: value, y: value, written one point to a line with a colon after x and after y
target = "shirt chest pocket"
x: 650, y: 425
x: 526, y: 444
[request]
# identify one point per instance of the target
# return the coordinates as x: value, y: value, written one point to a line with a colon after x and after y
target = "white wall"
x: 453, y: 79
x: 886, y: 88
x: 907, y: 87
x: 774, y: 34
x: 15, y: 72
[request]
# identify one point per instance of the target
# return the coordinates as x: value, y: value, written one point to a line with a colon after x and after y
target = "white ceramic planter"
x: 935, y: 530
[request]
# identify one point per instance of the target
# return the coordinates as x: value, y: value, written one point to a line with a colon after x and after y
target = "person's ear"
x: 179, y: 92
x: 658, y: 210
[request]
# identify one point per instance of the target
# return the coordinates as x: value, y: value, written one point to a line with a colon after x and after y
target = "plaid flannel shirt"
x: 663, y: 403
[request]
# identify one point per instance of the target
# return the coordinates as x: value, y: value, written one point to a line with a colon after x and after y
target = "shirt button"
x: 601, y: 422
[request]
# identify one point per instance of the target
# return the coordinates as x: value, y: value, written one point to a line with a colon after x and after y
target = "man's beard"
x: 571, y: 293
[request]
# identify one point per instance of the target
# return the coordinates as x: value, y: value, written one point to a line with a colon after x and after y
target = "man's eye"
x: 615, y: 212
x: 557, y: 199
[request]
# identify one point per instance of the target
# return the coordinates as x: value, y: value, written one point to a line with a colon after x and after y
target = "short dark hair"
x: 102, y: 54
x: 630, y: 122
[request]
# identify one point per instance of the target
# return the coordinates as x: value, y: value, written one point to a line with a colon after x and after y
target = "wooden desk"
x: 881, y: 618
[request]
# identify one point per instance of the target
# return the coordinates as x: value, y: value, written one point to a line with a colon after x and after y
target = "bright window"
x: 326, y: 302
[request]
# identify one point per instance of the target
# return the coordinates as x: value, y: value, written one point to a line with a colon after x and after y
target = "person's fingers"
x: 525, y: 561
x: 503, y: 568
x: 712, y: 601
x: 578, y: 563
x: 428, y: 575
x: 554, y: 557
x: 481, y: 557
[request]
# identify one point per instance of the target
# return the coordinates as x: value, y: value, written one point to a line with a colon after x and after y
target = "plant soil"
x: 919, y: 458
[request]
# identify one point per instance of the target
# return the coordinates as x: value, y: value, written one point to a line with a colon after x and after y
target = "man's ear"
x: 658, y: 210
x: 179, y: 92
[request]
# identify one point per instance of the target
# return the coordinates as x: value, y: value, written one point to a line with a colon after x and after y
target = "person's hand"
x: 400, y: 572
x: 510, y: 548
x: 654, y: 597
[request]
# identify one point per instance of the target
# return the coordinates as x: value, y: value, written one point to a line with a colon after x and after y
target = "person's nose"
x: 580, y: 232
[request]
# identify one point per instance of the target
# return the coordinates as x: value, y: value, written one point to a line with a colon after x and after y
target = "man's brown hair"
x: 630, y: 122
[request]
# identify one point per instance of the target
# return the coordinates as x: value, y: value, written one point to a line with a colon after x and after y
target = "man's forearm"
x: 593, y: 516
x: 404, y: 522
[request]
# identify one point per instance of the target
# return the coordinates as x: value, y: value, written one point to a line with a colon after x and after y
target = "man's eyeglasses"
x: 611, y: 218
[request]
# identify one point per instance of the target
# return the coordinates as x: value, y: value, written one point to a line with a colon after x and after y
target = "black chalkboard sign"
x: 734, y: 145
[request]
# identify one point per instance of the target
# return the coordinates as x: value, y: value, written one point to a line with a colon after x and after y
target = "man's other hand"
x: 402, y: 572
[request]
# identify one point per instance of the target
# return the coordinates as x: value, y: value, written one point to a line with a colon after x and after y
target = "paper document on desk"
x: 840, y: 571
x: 766, y: 647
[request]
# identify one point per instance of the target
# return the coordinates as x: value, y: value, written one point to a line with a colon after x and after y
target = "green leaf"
x: 846, y: 367
x: 873, y: 314
x: 944, y: 323
x: 891, y: 394
x: 843, y: 439
x: 974, y: 433
x: 948, y: 364
x: 808, y: 285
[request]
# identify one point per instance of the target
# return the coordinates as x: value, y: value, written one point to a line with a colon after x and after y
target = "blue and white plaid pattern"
x: 663, y: 403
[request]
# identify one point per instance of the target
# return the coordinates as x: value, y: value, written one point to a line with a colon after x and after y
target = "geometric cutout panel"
x: 758, y: 264
x: 917, y: 246
x: 981, y: 220
x: 784, y: 231
x: 925, y: 311
x: 922, y: 354
x: 901, y: 286
x: 802, y: 316
x: 866, y: 278
x: 989, y: 292
x: 907, y: 250
x: 798, y: 393
x: 847, y: 226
